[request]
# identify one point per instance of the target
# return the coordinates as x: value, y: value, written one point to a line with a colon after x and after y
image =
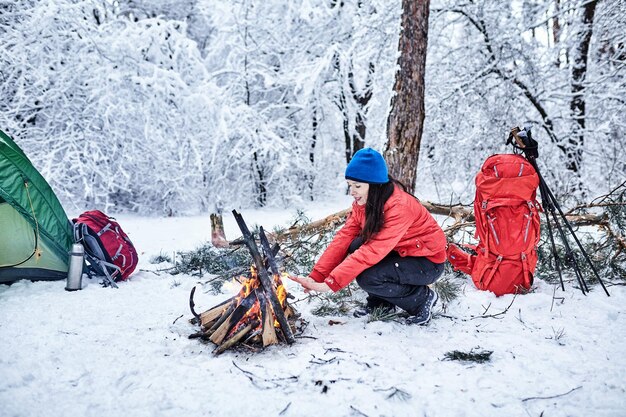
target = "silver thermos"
x: 75, y: 273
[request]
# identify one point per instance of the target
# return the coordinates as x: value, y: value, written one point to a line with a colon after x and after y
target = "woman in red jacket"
x: 390, y: 244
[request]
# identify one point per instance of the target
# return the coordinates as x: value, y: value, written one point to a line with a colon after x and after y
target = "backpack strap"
x: 96, y: 265
x: 104, y: 229
x: 118, y: 254
x: 493, y: 271
x: 526, y: 270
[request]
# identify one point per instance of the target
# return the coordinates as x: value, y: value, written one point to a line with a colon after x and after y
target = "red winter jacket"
x: 408, y: 228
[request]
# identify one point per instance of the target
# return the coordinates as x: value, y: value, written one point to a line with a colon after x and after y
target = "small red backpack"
x: 507, y: 227
x: 108, y: 250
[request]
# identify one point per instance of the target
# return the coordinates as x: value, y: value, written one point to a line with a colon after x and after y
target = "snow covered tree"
x: 495, y: 69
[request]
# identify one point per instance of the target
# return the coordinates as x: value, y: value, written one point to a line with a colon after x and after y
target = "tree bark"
x: 579, y: 72
x: 406, y: 119
x: 556, y: 30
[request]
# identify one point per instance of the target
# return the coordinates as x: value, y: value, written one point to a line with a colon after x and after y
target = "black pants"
x: 397, y: 280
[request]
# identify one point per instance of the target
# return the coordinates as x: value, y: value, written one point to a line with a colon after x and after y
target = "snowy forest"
x: 169, y: 115
x: 177, y: 107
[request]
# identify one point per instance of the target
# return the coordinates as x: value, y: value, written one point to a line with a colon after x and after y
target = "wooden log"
x: 274, y: 252
x: 218, y: 336
x: 218, y: 237
x: 208, y: 332
x: 253, y: 338
x: 456, y: 211
x: 208, y: 317
x: 240, y: 334
x: 288, y: 310
x: 265, y: 244
x: 266, y: 281
x: 269, y: 332
x: 330, y: 221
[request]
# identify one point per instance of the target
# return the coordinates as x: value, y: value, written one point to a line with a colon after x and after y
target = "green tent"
x: 35, y: 233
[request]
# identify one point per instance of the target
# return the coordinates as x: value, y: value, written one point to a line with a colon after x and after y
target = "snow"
x: 105, y: 352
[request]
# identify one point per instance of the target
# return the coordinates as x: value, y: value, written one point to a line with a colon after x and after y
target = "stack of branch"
x: 260, y: 313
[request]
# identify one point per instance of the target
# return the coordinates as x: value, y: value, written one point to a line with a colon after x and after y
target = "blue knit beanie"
x: 368, y: 166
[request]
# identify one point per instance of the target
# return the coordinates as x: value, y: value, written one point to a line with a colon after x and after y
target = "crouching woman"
x: 390, y: 243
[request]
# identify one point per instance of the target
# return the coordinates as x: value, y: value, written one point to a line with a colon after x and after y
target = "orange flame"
x: 254, y: 313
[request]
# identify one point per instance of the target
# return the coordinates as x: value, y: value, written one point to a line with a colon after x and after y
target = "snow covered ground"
x: 103, y: 352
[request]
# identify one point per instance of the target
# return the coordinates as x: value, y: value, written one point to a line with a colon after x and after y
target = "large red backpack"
x: 507, y: 227
x: 108, y: 250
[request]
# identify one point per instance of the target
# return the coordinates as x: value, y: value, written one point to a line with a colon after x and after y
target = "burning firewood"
x: 259, y: 313
x: 235, y: 319
x: 264, y: 276
x: 236, y: 337
x: 208, y: 318
x: 269, y: 332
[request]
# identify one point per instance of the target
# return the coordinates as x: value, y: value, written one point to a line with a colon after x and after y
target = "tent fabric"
x: 32, y: 220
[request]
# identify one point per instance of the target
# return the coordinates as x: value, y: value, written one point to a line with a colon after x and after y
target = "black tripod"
x: 522, y: 141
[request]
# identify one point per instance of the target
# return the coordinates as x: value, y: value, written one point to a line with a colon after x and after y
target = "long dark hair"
x: 377, y: 196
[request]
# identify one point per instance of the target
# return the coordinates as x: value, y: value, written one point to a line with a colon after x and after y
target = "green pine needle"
x: 471, y: 356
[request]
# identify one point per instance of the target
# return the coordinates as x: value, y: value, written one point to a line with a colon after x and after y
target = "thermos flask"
x: 75, y: 273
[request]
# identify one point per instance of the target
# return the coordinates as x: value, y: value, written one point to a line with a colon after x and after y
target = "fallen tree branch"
x: 620, y: 241
x: 456, y: 211
x: 330, y: 221
x: 462, y: 215
x: 602, y: 198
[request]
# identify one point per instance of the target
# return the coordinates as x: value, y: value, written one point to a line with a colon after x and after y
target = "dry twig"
x: 484, y: 316
x: 551, y: 396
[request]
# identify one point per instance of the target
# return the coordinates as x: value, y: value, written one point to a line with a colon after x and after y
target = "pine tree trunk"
x: 406, y: 119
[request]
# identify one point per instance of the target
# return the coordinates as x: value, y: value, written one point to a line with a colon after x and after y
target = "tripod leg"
x: 569, y: 255
x: 555, y: 255
x: 580, y: 246
x: 549, y: 203
x: 548, y: 207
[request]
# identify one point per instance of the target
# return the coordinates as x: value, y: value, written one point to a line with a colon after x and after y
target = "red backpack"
x: 507, y: 227
x: 108, y: 250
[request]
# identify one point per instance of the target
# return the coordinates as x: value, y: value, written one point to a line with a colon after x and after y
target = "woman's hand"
x: 310, y: 284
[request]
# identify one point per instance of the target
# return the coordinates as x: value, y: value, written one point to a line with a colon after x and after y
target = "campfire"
x: 259, y: 315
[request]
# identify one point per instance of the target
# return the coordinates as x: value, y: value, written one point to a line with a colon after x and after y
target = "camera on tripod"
x: 522, y: 140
